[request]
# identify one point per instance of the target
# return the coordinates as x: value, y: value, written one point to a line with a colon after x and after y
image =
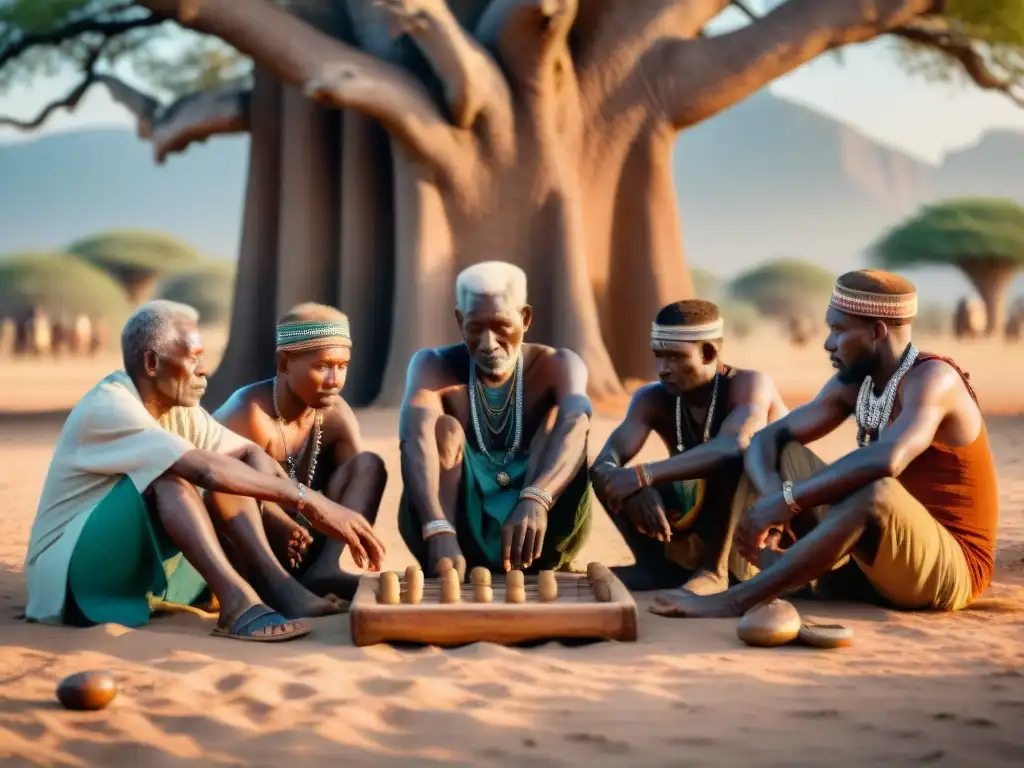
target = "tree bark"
x: 991, y: 278
x: 541, y: 138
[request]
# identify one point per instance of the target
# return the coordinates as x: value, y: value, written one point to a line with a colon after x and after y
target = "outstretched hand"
x: 338, y: 522
x: 646, y: 511
x: 522, y: 536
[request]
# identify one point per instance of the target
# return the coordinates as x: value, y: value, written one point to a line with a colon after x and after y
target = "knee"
x: 875, y: 500
x: 170, y: 492
x: 370, y: 465
x: 451, y: 440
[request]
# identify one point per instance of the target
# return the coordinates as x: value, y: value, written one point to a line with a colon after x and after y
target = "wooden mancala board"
x: 596, y: 606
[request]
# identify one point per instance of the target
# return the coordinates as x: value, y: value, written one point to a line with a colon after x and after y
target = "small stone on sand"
x: 769, y: 625
x: 87, y: 690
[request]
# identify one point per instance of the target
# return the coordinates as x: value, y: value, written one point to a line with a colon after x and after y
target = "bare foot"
x: 706, y: 583
x: 681, y: 603
x: 294, y: 601
x: 326, y: 577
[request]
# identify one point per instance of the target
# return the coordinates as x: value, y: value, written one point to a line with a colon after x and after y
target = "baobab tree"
x: 394, y: 142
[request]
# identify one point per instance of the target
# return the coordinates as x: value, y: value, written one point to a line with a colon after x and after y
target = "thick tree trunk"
x: 991, y: 278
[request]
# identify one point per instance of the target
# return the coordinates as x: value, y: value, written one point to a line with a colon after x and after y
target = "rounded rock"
x: 90, y: 690
x: 769, y: 625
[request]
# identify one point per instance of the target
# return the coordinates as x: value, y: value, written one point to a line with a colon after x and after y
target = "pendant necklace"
x: 707, y: 421
x: 293, y: 463
x: 873, y: 411
x: 502, y: 477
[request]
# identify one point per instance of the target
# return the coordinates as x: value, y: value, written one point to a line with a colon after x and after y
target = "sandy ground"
x: 914, y: 689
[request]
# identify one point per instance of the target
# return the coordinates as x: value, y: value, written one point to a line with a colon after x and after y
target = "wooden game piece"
x: 483, y: 593
x: 598, y: 572
x: 602, y: 591
x: 460, y: 568
x: 481, y: 576
x: 87, y: 690
x: 826, y: 635
x: 444, y: 565
x: 771, y: 624
x: 413, y: 585
x: 390, y: 589
x: 547, y: 586
x: 451, y: 587
x: 515, y: 587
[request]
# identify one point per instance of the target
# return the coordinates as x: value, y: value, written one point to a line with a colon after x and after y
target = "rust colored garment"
x: 957, y: 485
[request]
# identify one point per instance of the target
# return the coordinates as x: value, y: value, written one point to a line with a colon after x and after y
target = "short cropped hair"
x: 491, y: 278
x: 152, y: 327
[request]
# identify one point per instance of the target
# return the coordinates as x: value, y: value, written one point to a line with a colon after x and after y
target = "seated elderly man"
x: 120, y: 519
x: 300, y: 419
x: 493, y: 437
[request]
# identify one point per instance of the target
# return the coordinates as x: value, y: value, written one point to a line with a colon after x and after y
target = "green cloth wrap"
x: 122, y: 557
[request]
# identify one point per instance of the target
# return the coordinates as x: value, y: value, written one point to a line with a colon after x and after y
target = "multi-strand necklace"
x: 873, y: 411
x: 503, y: 413
x: 707, y: 422
x: 293, y: 462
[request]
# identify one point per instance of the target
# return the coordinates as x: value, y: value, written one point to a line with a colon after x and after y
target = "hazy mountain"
x: 765, y: 179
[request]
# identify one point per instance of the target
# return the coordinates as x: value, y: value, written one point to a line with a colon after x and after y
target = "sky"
x: 866, y: 89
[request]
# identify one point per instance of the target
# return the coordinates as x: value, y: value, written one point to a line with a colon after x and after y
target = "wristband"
x: 787, y: 495
x: 643, y: 476
x: 436, y: 528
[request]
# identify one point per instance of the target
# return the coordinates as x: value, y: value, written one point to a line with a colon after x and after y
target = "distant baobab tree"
x: 395, y: 141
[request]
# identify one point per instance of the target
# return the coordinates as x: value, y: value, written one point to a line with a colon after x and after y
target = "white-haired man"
x: 120, y: 519
x: 493, y: 438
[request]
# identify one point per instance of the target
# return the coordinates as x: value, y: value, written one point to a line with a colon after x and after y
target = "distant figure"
x: 100, y: 334
x: 81, y: 335
x: 970, y: 319
x: 8, y: 337
x: 60, y: 335
x: 38, y: 334
x: 1015, y: 323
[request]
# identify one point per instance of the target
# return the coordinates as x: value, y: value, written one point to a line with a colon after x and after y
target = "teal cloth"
x: 122, y: 557
x: 487, y: 504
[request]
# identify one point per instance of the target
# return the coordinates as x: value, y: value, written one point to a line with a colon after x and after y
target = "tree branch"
x: 108, y: 28
x: 696, y: 79
x: 472, y: 81
x: 69, y: 102
x: 328, y: 71
x: 528, y: 36
x: 192, y: 118
x: 962, y: 49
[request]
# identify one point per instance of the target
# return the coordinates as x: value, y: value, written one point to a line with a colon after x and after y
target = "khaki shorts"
x: 919, y: 565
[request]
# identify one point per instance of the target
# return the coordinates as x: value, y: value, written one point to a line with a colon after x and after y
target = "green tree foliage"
x: 781, y: 288
x: 59, y: 283
x: 983, y: 237
x: 209, y: 288
x: 136, y: 258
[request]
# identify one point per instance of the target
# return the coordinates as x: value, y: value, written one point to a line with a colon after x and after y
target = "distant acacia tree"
x: 534, y: 131
x: 785, y: 288
x: 137, y: 258
x: 59, y: 284
x: 983, y: 237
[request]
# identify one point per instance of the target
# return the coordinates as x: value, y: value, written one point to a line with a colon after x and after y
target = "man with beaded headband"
x: 300, y: 419
x: 493, y: 438
x: 908, y: 519
x: 678, y: 516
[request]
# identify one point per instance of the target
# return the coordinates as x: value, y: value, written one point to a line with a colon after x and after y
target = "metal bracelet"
x: 436, y: 528
x: 539, y: 495
x: 643, y: 476
x: 790, y: 499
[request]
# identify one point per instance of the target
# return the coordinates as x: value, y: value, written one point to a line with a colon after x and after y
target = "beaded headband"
x: 664, y: 336
x: 306, y: 335
x: 880, y: 305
